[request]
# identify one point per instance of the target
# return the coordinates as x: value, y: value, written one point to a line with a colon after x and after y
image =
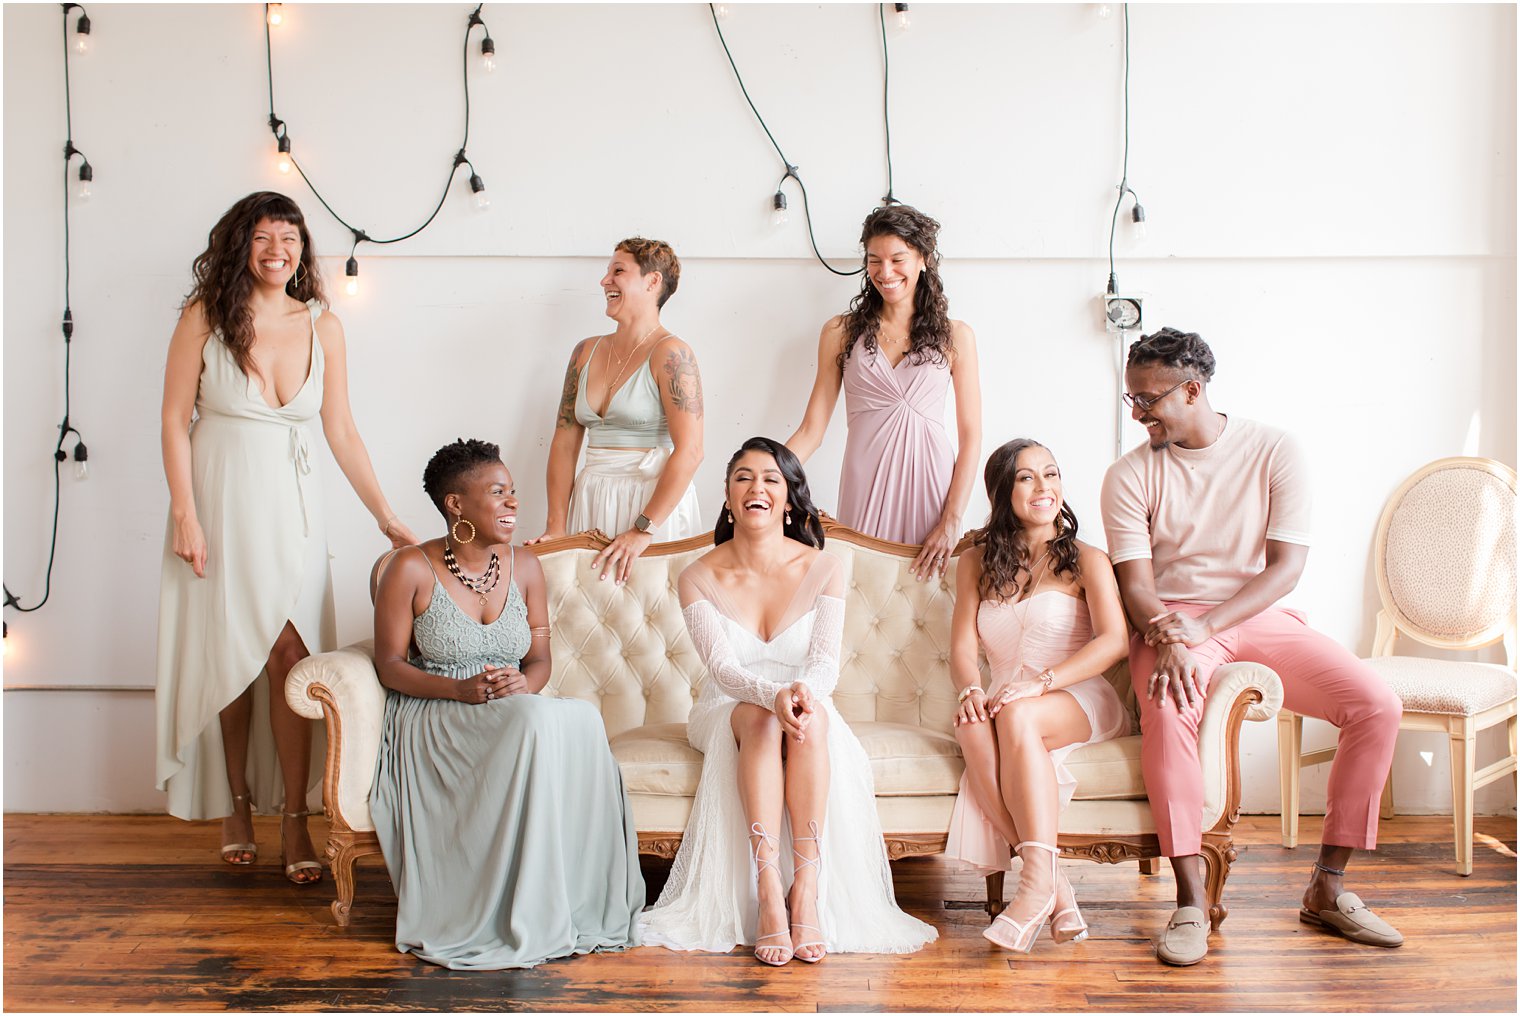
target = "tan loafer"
x: 1351, y: 919
x: 1186, y: 938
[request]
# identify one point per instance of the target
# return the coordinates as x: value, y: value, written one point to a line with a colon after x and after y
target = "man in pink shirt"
x: 1208, y: 527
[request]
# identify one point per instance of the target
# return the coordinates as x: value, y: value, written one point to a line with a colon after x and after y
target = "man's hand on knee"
x: 1175, y: 675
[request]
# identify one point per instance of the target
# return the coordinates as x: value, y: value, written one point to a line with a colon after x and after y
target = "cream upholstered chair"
x: 1445, y: 561
x: 626, y: 651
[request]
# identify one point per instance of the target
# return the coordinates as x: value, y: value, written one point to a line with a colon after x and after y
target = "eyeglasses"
x: 1144, y: 404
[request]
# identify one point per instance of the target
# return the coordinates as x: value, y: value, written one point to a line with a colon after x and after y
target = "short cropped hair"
x: 1172, y: 348
x: 655, y: 256
x: 449, y: 465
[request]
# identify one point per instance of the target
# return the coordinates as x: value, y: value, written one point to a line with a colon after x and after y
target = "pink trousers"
x: 1320, y: 677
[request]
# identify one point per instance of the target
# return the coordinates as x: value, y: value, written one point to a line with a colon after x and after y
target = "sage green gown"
x: 505, y: 826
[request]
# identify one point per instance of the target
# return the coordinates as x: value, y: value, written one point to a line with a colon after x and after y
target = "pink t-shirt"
x: 1204, y: 515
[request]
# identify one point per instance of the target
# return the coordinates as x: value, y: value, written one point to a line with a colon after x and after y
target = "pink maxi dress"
x: 897, y: 456
x: 1021, y: 639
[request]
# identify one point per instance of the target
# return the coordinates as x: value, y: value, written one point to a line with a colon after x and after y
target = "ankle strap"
x: 1329, y: 870
x: 813, y: 828
x: 296, y: 814
x: 1035, y: 843
x: 756, y: 829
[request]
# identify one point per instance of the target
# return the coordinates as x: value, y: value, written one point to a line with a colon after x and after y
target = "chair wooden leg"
x: 1385, y: 810
x: 1150, y: 865
x: 1218, y: 854
x: 1510, y: 727
x: 995, y: 902
x: 342, y: 852
x: 1290, y: 739
x: 1464, y: 741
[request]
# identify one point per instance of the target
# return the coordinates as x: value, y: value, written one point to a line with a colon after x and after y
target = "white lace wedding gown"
x: 709, y: 901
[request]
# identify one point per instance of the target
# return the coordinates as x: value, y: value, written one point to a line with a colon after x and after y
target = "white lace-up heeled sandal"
x: 815, y: 862
x: 757, y: 832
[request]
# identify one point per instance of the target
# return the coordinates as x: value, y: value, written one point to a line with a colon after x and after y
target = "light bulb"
x: 1104, y: 11
x: 351, y: 272
x: 282, y: 155
x: 723, y: 11
x: 1139, y: 231
x: 778, y: 209
x: 82, y: 35
x: 903, y: 21
x: 478, y: 187
x: 1137, y: 217
x: 81, y: 462
x: 276, y: 15
x: 84, y: 188
x: 488, y: 54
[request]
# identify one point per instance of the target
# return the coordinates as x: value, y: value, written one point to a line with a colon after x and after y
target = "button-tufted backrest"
x: 626, y: 651
x: 623, y: 649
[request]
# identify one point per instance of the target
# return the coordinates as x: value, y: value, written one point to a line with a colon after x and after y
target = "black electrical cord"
x: 1124, y: 187
x: 278, y: 127
x: 65, y: 428
x: 791, y: 171
x: 886, y: 101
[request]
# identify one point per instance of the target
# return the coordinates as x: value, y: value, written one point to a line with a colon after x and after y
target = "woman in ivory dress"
x: 637, y: 395
x: 765, y: 610
x: 1046, y: 610
x: 254, y: 364
x: 896, y: 353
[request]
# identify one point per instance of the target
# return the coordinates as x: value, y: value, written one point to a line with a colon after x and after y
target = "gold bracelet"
x: 539, y: 633
x: 966, y: 692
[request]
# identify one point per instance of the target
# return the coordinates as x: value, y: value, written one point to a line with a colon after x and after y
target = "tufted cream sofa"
x: 626, y: 651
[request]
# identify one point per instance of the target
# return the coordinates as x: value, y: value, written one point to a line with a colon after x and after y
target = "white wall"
x: 1331, y: 193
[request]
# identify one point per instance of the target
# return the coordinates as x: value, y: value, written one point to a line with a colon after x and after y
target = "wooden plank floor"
x: 137, y: 913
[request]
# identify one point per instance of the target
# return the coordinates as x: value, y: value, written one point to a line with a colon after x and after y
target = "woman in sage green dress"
x: 501, y: 813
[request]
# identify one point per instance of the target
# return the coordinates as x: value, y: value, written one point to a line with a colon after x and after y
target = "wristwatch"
x: 643, y: 523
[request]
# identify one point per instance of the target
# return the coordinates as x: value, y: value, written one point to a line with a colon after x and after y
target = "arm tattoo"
x: 685, y: 382
x: 566, y: 415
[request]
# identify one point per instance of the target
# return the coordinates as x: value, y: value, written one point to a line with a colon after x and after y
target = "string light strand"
x: 1138, y: 212
x: 790, y: 171
x: 65, y: 428
x: 477, y: 186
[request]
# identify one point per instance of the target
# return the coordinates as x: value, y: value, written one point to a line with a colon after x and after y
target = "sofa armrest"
x: 1237, y: 693
x: 341, y: 687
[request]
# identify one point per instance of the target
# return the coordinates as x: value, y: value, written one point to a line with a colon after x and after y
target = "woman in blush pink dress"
x: 896, y: 353
x: 1046, y: 610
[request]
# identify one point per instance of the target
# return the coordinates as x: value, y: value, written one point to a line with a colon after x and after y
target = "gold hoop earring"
x: 454, y: 530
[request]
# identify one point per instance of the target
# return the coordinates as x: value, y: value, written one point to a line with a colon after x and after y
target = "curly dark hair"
x: 1006, y: 553
x: 1172, y: 348
x: 805, y: 527
x: 929, y: 337
x: 222, y: 281
x: 452, y: 463
x: 655, y: 256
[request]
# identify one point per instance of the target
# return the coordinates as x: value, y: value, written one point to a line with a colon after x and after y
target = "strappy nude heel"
x: 1066, y: 924
x: 292, y: 868
x: 251, y: 849
x: 1022, y: 940
x: 800, y: 863
x: 757, y: 831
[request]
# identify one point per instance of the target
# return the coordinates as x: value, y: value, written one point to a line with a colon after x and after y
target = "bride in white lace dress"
x: 765, y: 609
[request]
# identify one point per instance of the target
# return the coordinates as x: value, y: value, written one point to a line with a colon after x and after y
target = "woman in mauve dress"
x: 896, y: 353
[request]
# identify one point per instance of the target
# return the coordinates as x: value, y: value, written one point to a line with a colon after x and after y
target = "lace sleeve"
x: 822, y: 671
x: 706, y: 627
